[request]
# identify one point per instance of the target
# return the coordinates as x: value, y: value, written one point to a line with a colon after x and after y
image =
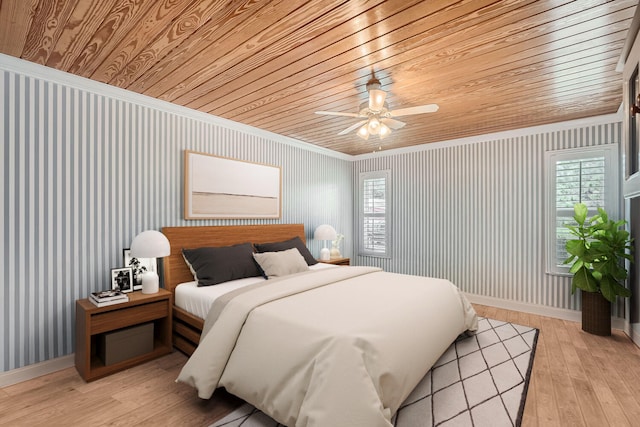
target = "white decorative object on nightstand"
x: 335, y: 246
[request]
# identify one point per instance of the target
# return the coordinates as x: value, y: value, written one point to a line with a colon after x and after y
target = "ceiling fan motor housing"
x: 365, y: 111
x: 373, y: 84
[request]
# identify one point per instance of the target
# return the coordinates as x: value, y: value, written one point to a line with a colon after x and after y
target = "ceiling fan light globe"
x: 376, y: 99
x: 363, y: 132
x: 373, y: 126
x: 384, y: 131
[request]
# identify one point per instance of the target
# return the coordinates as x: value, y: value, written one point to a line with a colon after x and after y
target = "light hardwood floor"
x: 578, y: 379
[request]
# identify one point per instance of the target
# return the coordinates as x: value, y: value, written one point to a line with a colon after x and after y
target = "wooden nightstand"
x: 93, y: 321
x: 337, y: 261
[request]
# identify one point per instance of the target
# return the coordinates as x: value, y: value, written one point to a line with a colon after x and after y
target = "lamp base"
x: 150, y: 282
x: 325, y: 254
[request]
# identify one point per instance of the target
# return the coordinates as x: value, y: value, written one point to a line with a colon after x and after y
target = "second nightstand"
x: 338, y: 261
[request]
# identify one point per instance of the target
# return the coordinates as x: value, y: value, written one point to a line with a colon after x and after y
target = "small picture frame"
x: 139, y: 266
x: 122, y: 278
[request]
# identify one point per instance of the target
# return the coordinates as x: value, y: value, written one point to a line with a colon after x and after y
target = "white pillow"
x: 282, y: 263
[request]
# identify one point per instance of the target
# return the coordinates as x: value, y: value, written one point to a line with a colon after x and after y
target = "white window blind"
x: 588, y: 176
x: 374, y: 213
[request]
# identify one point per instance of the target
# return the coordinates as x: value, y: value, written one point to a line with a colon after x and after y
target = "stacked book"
x: 110, y: 297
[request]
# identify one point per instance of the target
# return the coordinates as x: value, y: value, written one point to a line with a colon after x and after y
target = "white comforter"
x: 338, y: 347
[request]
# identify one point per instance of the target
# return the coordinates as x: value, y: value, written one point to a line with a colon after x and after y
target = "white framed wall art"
x: 222, y: 188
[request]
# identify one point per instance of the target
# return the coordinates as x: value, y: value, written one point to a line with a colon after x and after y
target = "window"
x: 374, y: 213
x: 585, y: 175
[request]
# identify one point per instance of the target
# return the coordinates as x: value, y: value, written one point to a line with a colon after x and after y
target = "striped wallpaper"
x: 474, y: 214
x: 84, y: 171
x: 85, y: 167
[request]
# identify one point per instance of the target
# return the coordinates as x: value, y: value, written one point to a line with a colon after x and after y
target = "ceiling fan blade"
x: 393, y: 123
x: 421, y: 109
x: 352, y: 127
x: 336, y: 113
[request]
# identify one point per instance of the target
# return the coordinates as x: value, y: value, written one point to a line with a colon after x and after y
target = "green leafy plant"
x: 597, y: 254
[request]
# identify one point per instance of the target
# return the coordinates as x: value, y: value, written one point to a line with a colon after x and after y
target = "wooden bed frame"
x: 187, y: 327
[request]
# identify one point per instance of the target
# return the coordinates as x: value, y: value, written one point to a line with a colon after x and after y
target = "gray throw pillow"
x: 296, y: 242
x: 282, y: 263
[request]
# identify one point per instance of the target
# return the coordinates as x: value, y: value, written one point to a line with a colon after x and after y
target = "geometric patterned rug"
x: 481, y: 380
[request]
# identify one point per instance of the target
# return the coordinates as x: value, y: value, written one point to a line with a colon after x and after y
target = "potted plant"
x: 597, y: 257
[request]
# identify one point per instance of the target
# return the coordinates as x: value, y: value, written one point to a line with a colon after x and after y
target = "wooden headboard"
x: 176, y: 270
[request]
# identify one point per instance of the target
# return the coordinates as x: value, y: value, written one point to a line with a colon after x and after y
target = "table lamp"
x: 150, y: 244
x: 325, y: 232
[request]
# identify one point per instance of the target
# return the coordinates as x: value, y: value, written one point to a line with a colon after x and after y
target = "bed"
x: 337, y: 346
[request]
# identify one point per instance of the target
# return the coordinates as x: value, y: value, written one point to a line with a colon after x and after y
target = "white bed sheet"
x: 198, y: 300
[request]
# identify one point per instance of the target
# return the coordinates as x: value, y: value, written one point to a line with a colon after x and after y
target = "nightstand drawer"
x: 103, y: 322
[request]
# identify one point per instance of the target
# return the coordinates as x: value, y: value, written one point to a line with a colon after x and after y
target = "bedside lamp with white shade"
x: 150, y: 244
x: 325, y: 232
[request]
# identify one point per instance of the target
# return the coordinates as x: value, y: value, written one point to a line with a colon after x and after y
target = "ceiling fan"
x: 378, y: 119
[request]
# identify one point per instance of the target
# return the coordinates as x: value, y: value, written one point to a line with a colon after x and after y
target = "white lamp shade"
x: 325, y: 232
x: 150, y: 244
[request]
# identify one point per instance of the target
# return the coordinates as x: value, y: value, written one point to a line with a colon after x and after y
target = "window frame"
x: 364, y: 176
x: 610, y: 152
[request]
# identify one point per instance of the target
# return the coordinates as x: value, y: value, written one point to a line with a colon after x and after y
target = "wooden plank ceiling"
x: 490, y: 65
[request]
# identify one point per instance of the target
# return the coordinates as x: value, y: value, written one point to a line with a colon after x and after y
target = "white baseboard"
x: 29, y: 372
x: 541, y: 310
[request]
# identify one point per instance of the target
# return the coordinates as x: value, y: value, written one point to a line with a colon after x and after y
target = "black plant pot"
x: 596, y: 314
